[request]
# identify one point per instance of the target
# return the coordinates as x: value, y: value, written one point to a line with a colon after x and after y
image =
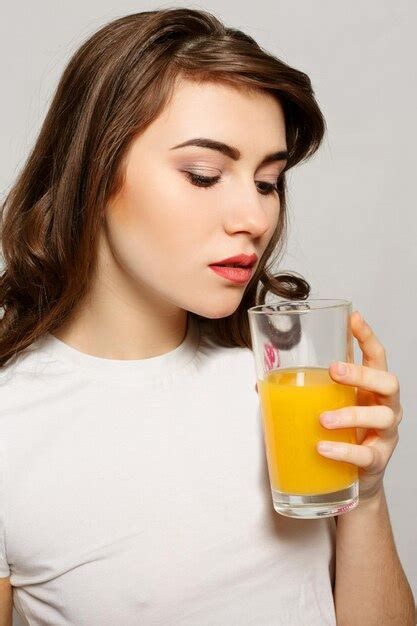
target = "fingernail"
x: 328, y: 418
x: 333, y: 449
x: 359, y: 316
x: 341, y: 368
x: 325, y: 446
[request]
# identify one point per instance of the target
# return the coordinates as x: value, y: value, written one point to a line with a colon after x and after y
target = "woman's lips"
x: 239, y: 275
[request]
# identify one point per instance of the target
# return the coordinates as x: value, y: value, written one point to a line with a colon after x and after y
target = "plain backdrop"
x: 352, y: 207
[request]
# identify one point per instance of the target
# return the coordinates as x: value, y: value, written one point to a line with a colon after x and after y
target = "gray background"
x: 352, y: 207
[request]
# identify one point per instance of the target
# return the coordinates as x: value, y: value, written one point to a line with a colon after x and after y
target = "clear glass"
x: 293, y: 344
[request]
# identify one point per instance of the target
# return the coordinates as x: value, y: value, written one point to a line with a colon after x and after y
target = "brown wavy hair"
x: 114, y: 85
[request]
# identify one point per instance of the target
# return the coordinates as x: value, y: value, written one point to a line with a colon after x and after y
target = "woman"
x: 134, y: 485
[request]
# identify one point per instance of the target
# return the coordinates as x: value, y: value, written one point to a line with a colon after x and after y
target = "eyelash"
x: 205, y: 182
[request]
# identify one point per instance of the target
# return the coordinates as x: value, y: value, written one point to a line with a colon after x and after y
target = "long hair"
x: 113, y: 87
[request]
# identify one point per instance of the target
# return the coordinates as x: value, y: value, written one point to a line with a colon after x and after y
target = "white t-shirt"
x: 135, y: 492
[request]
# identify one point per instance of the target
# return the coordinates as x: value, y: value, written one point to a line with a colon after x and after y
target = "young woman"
x: 134, y: 487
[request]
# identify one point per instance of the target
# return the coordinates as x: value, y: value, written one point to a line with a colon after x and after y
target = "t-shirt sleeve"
x: 4, y: 566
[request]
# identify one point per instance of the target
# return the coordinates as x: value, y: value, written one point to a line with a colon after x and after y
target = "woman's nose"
x: 251, y: 215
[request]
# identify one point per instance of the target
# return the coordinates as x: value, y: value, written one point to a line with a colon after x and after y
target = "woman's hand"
x: 377, y: 416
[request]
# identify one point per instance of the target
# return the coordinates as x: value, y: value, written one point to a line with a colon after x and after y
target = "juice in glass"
x: 291, y: 401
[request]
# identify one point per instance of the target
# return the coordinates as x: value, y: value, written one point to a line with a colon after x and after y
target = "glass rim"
x: 337, y: 302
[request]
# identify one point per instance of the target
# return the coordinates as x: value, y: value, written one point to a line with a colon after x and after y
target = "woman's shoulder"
x: 23, y: 377
x: 29, y: 360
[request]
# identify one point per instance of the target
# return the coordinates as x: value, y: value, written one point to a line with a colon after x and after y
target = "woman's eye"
x: 205, y: 181
x: 268, y: 188
x: 202, y: 181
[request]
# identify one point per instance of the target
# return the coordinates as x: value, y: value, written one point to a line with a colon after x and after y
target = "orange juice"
x: 291, y: 401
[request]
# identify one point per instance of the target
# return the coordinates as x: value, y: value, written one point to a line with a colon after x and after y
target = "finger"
x: 380, y: 418
x: 366, y: 457
x: 373, y: 352
x: 381, y: 382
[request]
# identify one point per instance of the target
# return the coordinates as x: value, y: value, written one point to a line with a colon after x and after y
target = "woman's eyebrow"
x: 230, y: 151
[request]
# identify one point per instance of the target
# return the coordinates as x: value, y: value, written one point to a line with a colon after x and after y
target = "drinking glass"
x: 293, y: 344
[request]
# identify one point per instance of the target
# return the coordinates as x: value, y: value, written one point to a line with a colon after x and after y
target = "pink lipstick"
x: 237, y: 268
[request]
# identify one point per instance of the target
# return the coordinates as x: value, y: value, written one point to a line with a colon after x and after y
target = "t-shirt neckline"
x: 157, y: 366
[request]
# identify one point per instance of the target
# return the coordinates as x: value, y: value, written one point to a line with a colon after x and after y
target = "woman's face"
x: 164, y: 231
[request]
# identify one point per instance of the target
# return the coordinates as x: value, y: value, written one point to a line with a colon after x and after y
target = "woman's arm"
x: 6, y: 602
x: 370, y: 587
